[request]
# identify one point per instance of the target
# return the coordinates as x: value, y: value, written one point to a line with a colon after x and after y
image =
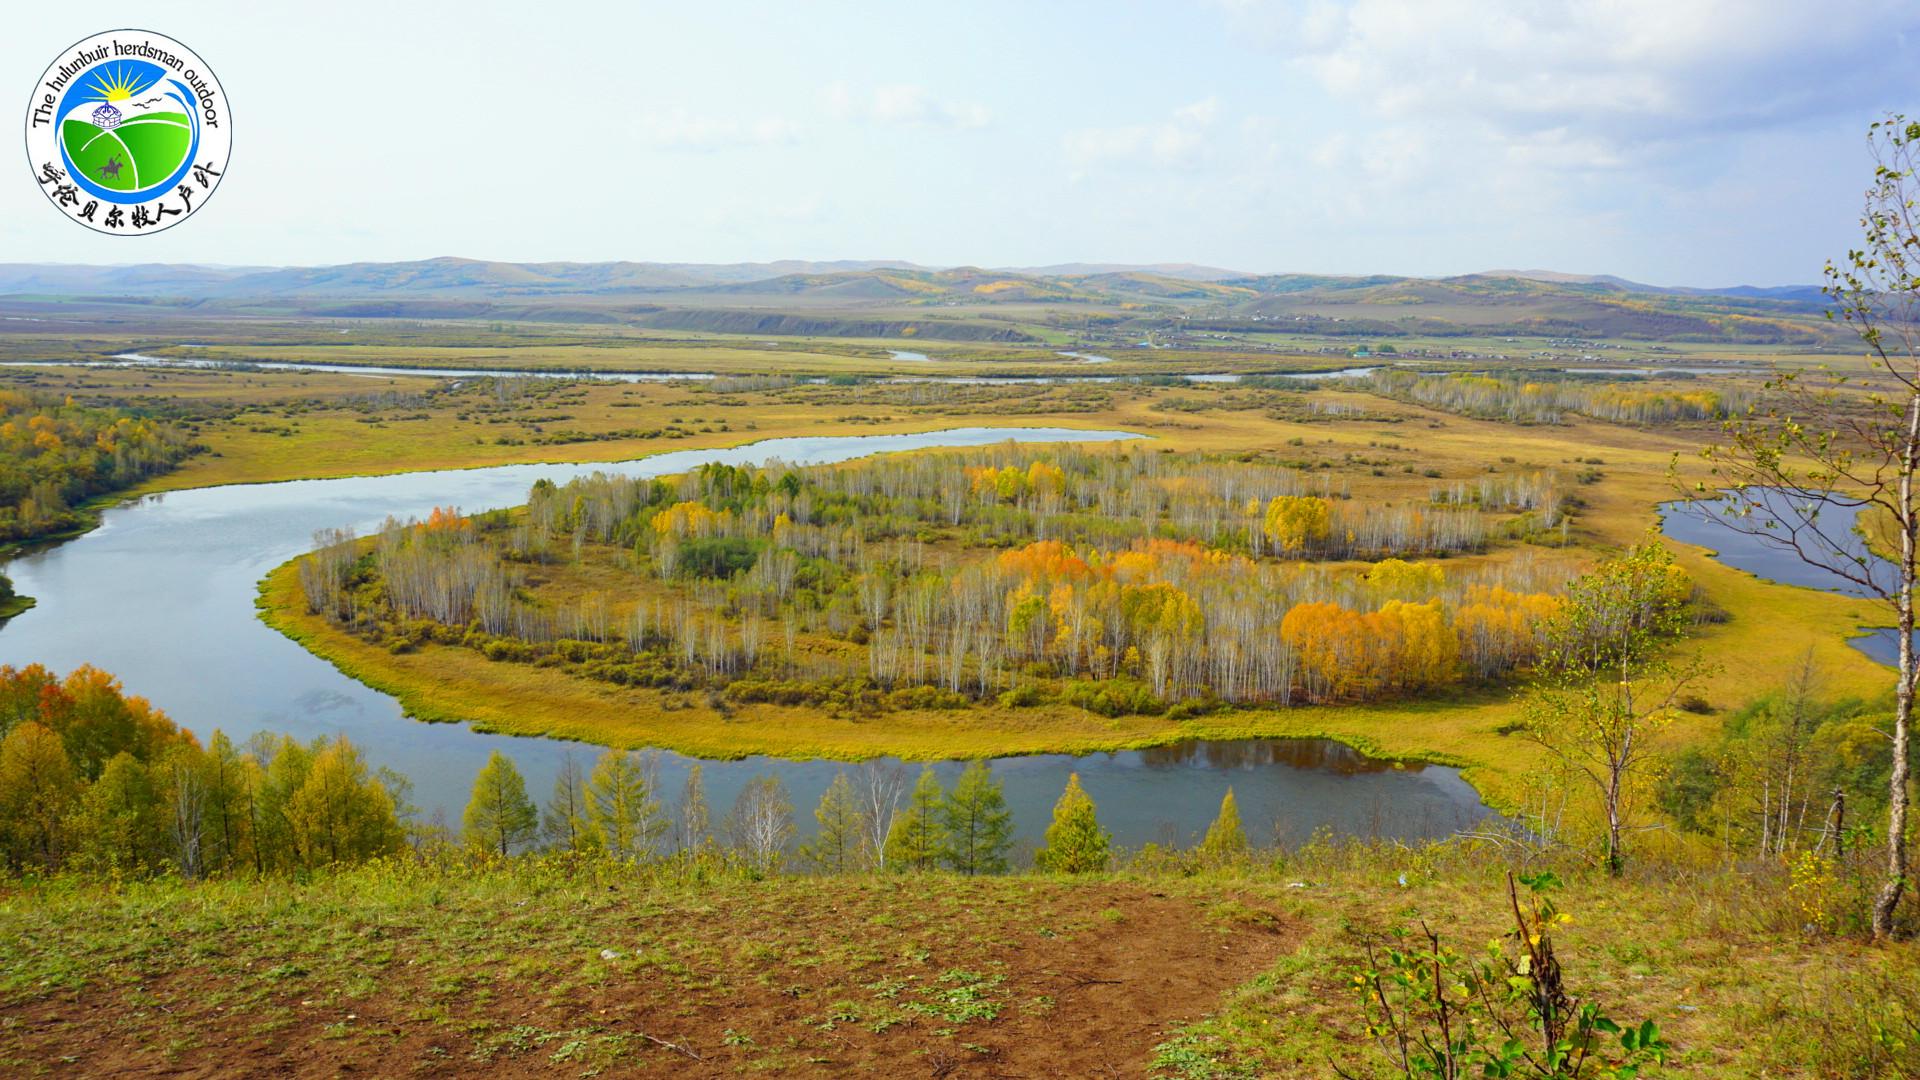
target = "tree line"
x: 55, y: 455
x: 95, y: 780
x: 1534, y: 399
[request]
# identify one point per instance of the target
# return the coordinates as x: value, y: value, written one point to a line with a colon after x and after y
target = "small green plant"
x: 1439, y: 1015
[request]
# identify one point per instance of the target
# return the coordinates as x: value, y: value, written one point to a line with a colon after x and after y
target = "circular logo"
x: 128, y: 132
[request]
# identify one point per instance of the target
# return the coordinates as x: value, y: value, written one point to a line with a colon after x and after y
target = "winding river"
x: 162, y: 595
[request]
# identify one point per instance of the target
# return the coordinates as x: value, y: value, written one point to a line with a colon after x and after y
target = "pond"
x: 1694, y: 523
x: 162, y: 595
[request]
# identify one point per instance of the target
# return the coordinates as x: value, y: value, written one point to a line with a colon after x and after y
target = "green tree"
x: 1225, y: 838
x: 113, y: 827
x: 281, y: 765
x: 564, y: 822
x: 839, y: 847
x: 231, y: 778
x: 621, y: 809
x: 1076, y: 844
x: 1607, y: 682
x: 978, y: 824
x: 499, y: 815
x: 919, y: 835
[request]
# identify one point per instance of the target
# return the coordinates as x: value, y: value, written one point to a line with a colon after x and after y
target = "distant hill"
x: 1186, y: 271
x: 1805, y: 293
x: 459, y: 277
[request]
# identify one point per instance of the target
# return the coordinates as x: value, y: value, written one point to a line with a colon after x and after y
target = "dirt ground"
x: 885, y: 981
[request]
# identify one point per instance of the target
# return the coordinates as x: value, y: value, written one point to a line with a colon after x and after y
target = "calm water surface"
x: 1694, y: 523
x: 162, y: 595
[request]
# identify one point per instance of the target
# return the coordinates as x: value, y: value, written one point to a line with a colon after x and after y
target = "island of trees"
x: 1123, y: 581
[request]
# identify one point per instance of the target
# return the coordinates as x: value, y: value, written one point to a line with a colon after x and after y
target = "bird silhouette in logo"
x: 111, y: 169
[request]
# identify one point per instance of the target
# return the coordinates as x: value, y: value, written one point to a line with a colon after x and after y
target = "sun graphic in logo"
x: 126, y: 130
x: 108, y: 87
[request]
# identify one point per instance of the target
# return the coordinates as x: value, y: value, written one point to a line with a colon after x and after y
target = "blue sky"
x: 1704, y: 142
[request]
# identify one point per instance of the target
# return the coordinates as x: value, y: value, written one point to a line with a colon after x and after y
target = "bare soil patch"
x: 935, y: 977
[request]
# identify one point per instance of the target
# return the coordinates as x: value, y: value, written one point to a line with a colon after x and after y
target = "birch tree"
x: 1826, y: 470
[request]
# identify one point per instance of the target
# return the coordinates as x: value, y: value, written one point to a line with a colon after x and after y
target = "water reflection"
x: 1242, y: 754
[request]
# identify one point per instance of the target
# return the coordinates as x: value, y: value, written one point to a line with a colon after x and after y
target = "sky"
x: 1676, y: 142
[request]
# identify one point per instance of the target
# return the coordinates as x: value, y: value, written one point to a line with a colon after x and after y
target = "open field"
x: 537, y: 969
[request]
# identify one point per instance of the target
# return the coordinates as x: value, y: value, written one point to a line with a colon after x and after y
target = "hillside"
x: 868, y: 299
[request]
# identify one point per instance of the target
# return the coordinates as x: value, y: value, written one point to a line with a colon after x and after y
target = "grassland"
x: 545, y: 968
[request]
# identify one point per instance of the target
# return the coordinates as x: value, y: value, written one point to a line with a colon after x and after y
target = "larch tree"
x: 918, y: 835
x: 978, y: 825
x: 38, y: 786
x: 622, y: 810
x: 1076, y: 844
x: 341, y: 813
x: 563, y: 822
x: 840, y: 845
x: 1826, y: 470
x: 1225, y: 838
x: 499, y: 815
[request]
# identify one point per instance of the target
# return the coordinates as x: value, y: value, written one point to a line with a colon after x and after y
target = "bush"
x: 518, y: 652
x: 926, y: 697
x: 1115, y: 697
x: 718, y: 557
x: 1024, y: 697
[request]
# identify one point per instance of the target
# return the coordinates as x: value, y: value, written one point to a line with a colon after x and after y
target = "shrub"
x: 1115, y: 697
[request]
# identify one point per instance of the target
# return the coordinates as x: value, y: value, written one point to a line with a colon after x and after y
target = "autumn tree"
x: 1225, y: 838
x: 37, y: 787
x: 499, y: 816
x: 919, y: 833
x: 1076, y: 844
x: 622, y: 810
x: 979, y: 827
x: 342, y: 814
x: 840, y: 845
x: 1826, y: 470
x: 563, y: 822
x: 1607, y: 680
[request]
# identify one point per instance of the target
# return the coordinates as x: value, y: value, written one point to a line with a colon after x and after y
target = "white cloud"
x: 905, y: 105
x: 1180, y: 140
x: 1624, y: 70
x: 681, y: 130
